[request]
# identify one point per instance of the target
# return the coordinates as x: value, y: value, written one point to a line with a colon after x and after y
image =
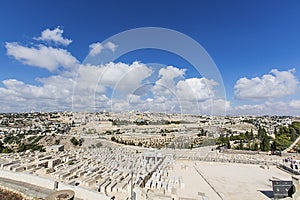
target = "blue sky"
x: 254, y: 44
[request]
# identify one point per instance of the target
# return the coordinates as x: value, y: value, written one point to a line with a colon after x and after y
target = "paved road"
x: 26, y: 188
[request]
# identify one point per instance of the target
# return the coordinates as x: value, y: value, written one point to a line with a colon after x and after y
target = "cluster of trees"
x: 35, y: 139
x: 247, y: 141
x: 4, y: 149
x: 241, y: 139
x: 76, y: 142
x: 32, y: 144
x: 141, y: 122
x: 57, y: 142
x: 202, y: 133
x: 97, y: 145
x: 168, y: 130
x: 118, y: 122
x: 112, y: 132
x: 264, y: 139
x: 11, y: 139
x: 114, y: 139
x: 284, y: 137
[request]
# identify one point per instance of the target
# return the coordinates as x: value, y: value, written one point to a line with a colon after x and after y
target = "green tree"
x: 254, y: 146
x: 223, y: 141
x: 293, y: 133
x: 1, y: 146
x: 80, y: 141
x: 261, y: 133
x: 273, y: 146
x: 227, y: 143
x: 281, y: 142
x: 247, y: 134
x: 241, y: 145
x: 98, y: 145
x: 265, y: 144
x: 251, y: 134
x: 21, y: 147
x: 242, y: 136
x: 203, y: 132
x: 74, y: 141
x: 275, y: 131
x: 7, y: 150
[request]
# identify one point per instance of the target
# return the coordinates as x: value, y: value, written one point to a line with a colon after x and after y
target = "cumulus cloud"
x: 276, y: 84
x: 54, y: 35
x: 166, y: 84
x: 172, y: 92
x: 111, y: 46
x: 124, y: 78
x: 195, y: 89
x: 186, y: 95
x: 112, y: 86
x: 85, y: 89
x: 19, y: 96
x: 269, y: 108
x: 120, y: 78
x: 97, y: 47
x: 294, y: 105
x: 168, y: 74
x: 42, y: 56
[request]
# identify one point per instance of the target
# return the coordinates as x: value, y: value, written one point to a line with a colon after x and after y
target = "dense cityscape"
x: 113, y: 155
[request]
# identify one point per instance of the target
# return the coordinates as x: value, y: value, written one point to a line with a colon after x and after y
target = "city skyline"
x: 254, y: 46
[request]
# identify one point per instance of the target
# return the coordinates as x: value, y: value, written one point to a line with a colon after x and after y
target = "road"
x: 26, y: 188
x: 292, y: 145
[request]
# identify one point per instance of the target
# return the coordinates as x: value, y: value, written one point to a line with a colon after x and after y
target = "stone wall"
x: 81, y: 193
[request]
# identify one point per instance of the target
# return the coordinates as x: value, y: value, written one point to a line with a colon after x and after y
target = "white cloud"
x: 88, y: 87
x: 26, y: 91
x: 276, y: 84
x: 120, y: 78
x: 123, y: 77
x: 167, y: 76
x: 19, y: 96
x: 295, y: 105
x: 173, y: 93
x: 166, y: 85
x: 84, y: 90
x: 44, y: 57
x: 111, y: 46
x: 268, y: 108
x: 195, y: 89
x: 87, y: 81
x: 125, y: 87
x: 209, y: 106
x: 96, y: 48
x: 54, y: 35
